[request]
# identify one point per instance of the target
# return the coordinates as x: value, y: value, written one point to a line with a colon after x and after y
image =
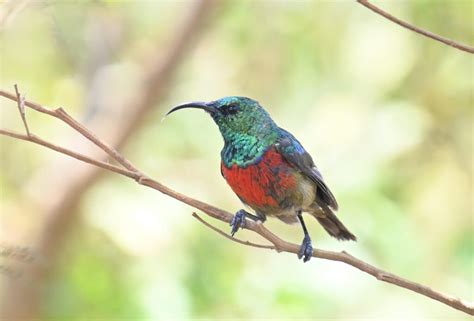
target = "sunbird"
x: 269, y: 170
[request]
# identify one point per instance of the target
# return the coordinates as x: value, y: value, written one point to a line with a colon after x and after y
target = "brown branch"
x: 21, y: 298
x: 61, y: 114
x: 21, y: 108
x: 279, y: 244
x: 411, y: 27
x: 226, y: 235
x: 37, y: 140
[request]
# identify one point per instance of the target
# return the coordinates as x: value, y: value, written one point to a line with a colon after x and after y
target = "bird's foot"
x: 306, y: 250
x: 238, y: 221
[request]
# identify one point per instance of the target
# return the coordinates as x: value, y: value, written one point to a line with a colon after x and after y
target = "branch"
x: 21, y: 108
x: 37, y: 140
x: 226, y: 235
x: 20, y: 298
x: 279, y: 244
x: 411, y: 27
x: 65, y: 117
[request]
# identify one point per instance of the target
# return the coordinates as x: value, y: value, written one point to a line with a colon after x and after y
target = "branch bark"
x: 416, y: 29
x: 21, y: 297
x: 227, y: 236
x: 278, y: 244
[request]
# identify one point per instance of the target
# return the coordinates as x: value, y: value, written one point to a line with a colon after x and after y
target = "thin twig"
x: 411, y: 27
x: 21, y: 108
x: 37, y: 140
x: 279, y: 244
x: 61, y: 114
x: 226, y: 235
x: 64, y: 116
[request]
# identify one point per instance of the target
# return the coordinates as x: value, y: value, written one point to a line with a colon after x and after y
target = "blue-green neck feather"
x: 247, y: 149
x: 247, y: 129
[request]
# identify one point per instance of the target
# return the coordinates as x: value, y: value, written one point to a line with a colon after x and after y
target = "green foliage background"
x: 387, y: 115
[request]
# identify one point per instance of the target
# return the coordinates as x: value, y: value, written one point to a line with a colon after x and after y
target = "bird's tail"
x: 333, y: 225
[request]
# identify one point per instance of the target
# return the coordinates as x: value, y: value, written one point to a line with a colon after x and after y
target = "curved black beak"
x: 198, y: 104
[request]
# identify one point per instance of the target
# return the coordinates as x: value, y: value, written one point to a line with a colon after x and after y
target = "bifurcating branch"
x: 277, y: 243
x: 21, y: 298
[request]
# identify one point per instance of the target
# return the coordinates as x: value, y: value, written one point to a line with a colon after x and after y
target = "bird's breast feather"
x: 262, y: 184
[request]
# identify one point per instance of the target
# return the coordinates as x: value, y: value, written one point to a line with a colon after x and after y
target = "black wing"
x: 292, y: 150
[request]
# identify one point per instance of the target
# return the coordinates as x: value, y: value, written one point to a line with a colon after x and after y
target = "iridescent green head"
x: 236, y: 117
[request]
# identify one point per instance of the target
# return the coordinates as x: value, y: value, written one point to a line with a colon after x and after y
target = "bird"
x: 269, y: 170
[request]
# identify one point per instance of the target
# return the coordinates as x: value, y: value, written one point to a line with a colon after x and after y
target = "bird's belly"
x: 271, y: 186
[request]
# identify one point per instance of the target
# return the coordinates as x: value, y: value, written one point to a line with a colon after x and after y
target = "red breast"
x: 263, y: 184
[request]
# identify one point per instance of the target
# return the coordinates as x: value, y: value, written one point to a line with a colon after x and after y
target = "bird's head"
x: 235, y: 116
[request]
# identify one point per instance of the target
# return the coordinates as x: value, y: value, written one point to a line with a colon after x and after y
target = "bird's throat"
x: 244, y: 150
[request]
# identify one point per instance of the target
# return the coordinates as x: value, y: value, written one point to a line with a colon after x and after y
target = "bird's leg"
x: 239, y: 220
x: 306, y: 250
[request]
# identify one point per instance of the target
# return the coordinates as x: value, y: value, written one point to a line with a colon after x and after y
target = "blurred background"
x: 387, y: 115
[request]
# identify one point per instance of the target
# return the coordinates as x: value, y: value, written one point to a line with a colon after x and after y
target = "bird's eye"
x: 231, y: 109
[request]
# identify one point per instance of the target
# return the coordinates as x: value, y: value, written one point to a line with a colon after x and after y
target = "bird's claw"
x: 238, y: 221
x: 306, y: 250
